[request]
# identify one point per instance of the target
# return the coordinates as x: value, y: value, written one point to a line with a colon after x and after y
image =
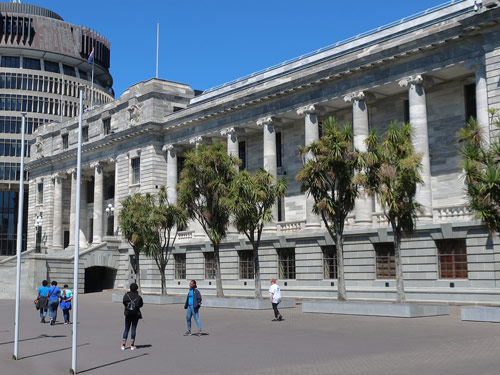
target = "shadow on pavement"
x: 143, y: 346
x: 112, y: 363
x: 51, y: 351
x: 34, y: 338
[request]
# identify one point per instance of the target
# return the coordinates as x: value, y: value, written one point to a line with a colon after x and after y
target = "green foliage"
x: 329, y: 176
x: 482, y: 171
x: 392, y: 173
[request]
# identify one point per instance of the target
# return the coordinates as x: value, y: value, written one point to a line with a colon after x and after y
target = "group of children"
x: 50, y: 298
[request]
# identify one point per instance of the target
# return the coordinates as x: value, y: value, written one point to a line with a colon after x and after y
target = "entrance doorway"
x: 99, y: 278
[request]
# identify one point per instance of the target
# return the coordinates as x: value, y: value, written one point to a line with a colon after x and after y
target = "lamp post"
x: 38, y: 227
x: 110, y: 212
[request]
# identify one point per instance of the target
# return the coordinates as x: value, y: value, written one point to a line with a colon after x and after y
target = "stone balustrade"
x: 291, y: 226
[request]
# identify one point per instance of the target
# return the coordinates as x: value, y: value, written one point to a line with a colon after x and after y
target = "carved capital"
x: 96, y: 165
x: 307, y: 110
x: 355, y: 96
x: 168, y: 147
x: 412, y: 80
x: 228, y: 131
x: 59, y: 175
x: 195, y: 140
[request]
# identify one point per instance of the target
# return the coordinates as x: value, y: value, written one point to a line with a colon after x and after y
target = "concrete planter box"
x: 399, y: 310
x: 481, y: 314
x: 153, y: 299
x: 245, y: 303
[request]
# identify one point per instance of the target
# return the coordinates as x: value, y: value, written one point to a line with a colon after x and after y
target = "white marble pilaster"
x: 311, y: 135
x: 420, y: 139
x: 363, y: 206
x: 98, y: 202
x: 171, y: 152
x: 72, y: 211
x: 232, y: 141
x: 482, y: 113
x: 57, y: 238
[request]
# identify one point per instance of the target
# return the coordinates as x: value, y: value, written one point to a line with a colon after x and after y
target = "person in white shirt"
x: 275, y: 297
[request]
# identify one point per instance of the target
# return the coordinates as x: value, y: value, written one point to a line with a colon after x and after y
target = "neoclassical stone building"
x: 434, y: 70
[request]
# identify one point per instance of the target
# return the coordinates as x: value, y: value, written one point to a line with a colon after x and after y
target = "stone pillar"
x: 72, y: 205
x: 270, y: 162
x: 482, y: 113
x: 84, y: 224
x: 116, y: 200
x: 57, y: 238
x: 98, y: 202
x: 311, y: 134
x: 232, y: 142
x: 420, y: 139
x: 196, y: 226
x: 171, y: 173
x: 363, y: 206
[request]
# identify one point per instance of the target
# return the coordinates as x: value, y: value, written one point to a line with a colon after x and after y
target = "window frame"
x: 210, y: 266
x: 330, y: 265
x: 287, y: 269
x: 385, y: 261
x: 448, y: 248
x: 180, y: 266
x: 246, y: 265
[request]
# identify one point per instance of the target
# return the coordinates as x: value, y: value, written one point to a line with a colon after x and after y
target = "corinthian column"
x: 363, y: 205
x: 482, y: 113
x: 311, y: 135
x: 57, y: 240
x: 72, y: 210
x: 270, y: 162
x: 171, y: 152
x: 420, y: 139
x: 98, y: 202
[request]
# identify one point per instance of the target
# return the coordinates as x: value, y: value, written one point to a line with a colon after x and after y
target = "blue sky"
x: 206, y: 43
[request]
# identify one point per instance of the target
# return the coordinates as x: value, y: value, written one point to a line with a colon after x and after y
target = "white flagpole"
x: 20, y: 204
x: 157, y: 45
x: 77, y: 235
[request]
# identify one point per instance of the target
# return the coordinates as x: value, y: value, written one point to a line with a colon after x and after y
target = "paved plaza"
x: 247, y: 342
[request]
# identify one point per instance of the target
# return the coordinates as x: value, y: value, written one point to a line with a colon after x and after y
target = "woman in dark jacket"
x: 132, y: 302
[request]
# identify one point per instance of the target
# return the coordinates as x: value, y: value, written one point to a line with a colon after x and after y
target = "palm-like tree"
x: 252, y: 197
x: 482, y: 172
x: 392, y: 172
x: 329, y: 177
x: 204, y: 193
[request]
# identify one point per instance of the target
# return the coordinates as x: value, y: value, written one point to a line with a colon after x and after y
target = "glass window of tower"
x: 29, y: 63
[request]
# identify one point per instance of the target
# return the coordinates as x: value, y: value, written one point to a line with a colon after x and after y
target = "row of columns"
x: 97, y: 229
x: 364, y: 204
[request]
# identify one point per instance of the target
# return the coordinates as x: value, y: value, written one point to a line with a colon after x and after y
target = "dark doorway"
x: 99, y: 278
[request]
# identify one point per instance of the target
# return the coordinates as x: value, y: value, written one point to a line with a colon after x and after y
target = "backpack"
x: 131, y: 307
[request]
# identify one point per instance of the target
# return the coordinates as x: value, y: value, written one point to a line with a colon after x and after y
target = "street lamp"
x: 38, y: 227
x: 110, y: 212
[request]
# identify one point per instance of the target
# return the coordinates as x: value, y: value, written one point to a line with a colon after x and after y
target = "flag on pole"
x: 91, y: 56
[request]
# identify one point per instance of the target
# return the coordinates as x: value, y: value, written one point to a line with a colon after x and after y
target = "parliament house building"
x: 434, y: 70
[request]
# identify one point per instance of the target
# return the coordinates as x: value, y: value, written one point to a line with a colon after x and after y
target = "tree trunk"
x: 218, y: 278
x: 256, y: 267
x: 137, y: 271
x: 400, y: 288
x: 342, y: 293
x: 163, y: 280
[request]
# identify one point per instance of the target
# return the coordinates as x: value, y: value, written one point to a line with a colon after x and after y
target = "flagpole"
x: 77, y: 236
x: 157, y: 45
x: 20, y: 203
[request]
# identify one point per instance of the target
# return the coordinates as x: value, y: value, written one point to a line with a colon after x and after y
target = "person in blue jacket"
x: 53, y: 294
x: 193, y: 303
x: 42, y: 302
x: 66, y: 297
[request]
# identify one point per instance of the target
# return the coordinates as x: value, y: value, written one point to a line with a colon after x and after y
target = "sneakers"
x: 200, y: 334
x: 133, y: 347
x: 280, y: 318
x: 52, y: 322
x: 122, y: 347
x: 187, y: 333
x: 42, y: 320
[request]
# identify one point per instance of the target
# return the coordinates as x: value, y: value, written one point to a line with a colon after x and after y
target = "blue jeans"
x: 66, y: 315
x: 130, y: 321
x: 191, y: 311
x: 53, y: 305
x: 43, y: 313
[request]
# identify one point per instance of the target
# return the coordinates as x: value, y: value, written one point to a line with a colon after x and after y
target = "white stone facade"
x: 418, y: 71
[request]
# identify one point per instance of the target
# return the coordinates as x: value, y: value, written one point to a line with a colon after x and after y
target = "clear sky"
x: 206, y: 43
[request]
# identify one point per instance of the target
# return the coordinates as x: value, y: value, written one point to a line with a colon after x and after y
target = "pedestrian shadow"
x: 35, y: 338
x: 143, y: 346
x: 198, y: 335
x: 52, y: 351
x: 112, y: 363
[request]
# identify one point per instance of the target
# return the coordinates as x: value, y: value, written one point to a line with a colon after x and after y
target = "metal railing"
x: 337, y: 44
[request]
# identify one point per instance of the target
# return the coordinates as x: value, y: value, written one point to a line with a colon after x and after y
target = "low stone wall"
x: 153, y: 299
x: 399, y: 310
x: 246, y: 303
x: 481, y: 314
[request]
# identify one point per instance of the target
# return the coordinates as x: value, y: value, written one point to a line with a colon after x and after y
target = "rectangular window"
x: 40, y: 193
x: 180, y: 266
x: 210, y: 265
x: 85, y: 134
x: 470, y: 101
x: 286, y: 263
x: 91, y: 231
x: 10, y: 62
x: 279, y: 156
x: 65, y: 141
x: 51, y: 66
x: 385, y: 260
x: 452, y: 259
x: 69, y: 70
x: 329, y: 262
x: 135, y: 164
x: 242, y: 154
x: 246, y: 264
x: 106, y: 126
x: 406, y: 111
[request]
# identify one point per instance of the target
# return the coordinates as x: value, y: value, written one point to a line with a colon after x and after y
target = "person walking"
x: 41, y: 301
x: 193, y: 303
x: 132, y: 302
x: 66, y: 297
x: 275, y: 297
x: 53, y: 294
